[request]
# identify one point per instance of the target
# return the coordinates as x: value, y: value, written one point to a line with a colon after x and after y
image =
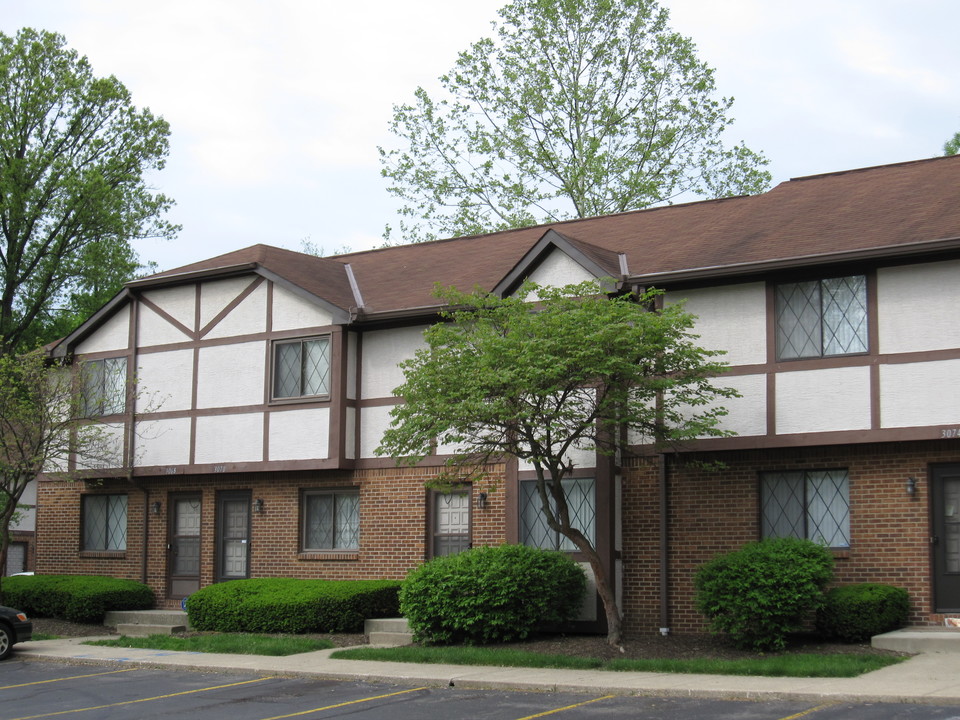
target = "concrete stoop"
x: 392, y: 632
x: 141, y: 623
x: 919, y: 640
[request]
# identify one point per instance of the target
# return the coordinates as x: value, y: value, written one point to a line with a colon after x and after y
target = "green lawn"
x: 789, y: 665
x: 232, y: 643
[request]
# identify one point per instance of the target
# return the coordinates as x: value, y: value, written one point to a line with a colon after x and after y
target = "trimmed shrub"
x: 77, y: 598
x: 287, y: 605
x: 491, y: 594
x: 759, y: 594
x: 855, y: 613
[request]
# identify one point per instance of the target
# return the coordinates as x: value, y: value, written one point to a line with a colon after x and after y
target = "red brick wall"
x: 393, y: 508
x: 714, y: 511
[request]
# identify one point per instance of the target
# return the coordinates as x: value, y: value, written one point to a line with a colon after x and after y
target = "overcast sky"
x: 277, y: 108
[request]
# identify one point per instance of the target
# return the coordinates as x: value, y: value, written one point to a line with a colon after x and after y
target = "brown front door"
x: 233, y: 536
x: 183, y: 547
x: 945, y: 506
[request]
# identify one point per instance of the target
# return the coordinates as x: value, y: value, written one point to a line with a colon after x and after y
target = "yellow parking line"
x: 807, y: 712
x: 344, y: 704
x: 132, y: 702
x: 74, y: 677
x: 568, y: 707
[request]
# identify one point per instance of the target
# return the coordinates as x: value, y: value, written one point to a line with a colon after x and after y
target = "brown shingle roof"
x: 877, y: 208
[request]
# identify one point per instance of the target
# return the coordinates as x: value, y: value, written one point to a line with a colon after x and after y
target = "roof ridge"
x: 869, y: 168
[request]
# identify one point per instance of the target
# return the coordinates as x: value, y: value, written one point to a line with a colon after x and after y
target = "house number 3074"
x: 950, y: 432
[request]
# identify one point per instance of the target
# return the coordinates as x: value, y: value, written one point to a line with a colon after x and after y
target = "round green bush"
x: 766, y: 590
x: 491, y: 594
x: 855, y: 613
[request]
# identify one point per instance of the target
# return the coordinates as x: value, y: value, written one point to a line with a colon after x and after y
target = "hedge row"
x: 288, y: 605
x: 77, y: 598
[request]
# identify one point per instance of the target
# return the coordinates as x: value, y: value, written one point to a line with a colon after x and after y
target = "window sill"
x: 104, y: 554
x: 840, y: 553
x: 329, y: 555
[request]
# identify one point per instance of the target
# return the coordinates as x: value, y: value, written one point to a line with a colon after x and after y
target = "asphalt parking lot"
x: 32, y: 690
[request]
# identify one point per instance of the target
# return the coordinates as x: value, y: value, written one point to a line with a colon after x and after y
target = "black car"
x: 14, y: 628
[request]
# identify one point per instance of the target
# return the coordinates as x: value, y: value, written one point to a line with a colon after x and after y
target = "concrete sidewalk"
x: 931, y: 678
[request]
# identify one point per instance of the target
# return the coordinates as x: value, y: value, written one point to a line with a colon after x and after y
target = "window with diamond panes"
x: 581, y: 503
x: 301, y: 368
x: 331, y: 520
x: 813, y: 504
x: 822, y: 318
x: 104, y: 522
x: 104, y: 387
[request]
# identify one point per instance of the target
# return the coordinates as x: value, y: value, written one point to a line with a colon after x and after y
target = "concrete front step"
x: 392, y: 632
x: 140, y: 623
x: 138, y: 630
x: 919, y: 640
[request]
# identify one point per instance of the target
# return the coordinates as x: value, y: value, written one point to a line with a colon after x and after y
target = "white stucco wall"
x: 231, y: 375
x: 300, y: 434
x: 917, y: 307
x: 731, y: 318
x: 291, y: 311
x: 250, y: 316
x: 165, y: 381
x: 373, y: 423
x: 823, y: 400
x: 351, y: 364
x: 747, y: 414
x: 154, y: 330
x: 163, y: 442
x: 917, y: 394
x: 382, y: 352
x: 114, y: 334
x: 558, y: 269
x: 27, y: 508
x: 103, y: 447
x: 179, y: 302
x: 230, y: 438
x: 350, y: 434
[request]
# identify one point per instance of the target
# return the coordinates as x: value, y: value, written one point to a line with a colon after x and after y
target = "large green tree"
x: 503, y: 378
x: 74, y: 156
x: 577, y: 108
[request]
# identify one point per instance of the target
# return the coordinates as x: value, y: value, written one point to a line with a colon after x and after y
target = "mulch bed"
x: 634, y: 647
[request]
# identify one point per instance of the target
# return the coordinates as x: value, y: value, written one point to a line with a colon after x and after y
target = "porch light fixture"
x: 911, y: 486
x: 481, y: 500
x: 258, y: 505
x: 155, y: 507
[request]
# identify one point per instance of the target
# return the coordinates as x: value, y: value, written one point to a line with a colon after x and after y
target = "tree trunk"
x: 607, y: 595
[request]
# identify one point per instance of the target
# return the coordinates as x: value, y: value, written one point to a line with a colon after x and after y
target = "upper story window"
x: 301, y: 368
x: 104, y: 386
x: 821, y: 318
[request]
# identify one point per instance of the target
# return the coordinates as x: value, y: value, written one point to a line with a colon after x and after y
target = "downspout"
x: 664, y: 549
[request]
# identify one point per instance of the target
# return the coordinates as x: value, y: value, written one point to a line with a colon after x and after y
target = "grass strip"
x: 791, y: 665
x: 228, y: 643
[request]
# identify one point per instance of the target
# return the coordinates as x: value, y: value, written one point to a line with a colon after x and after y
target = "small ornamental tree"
x: 44, y: 421
x: 537, y: 381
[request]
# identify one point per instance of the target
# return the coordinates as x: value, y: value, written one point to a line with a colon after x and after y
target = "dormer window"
x: 822, y: 318
x: 301, y: 368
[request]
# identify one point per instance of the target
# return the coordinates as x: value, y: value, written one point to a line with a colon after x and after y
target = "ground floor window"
x: 811, y: 504
x: 581, y: 502
x: 331, y: 520
x: 104, y: 522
